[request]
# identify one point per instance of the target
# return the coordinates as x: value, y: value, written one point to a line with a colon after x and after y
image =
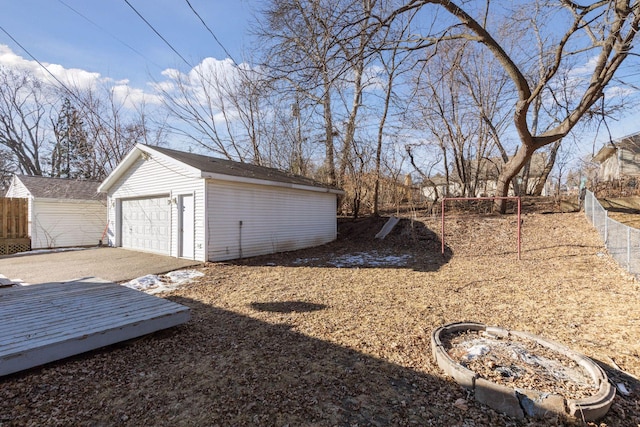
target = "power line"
x: 157, y: 33
x: 35, y: 59
x: 69, y: 91
x: 110, y: 34
x: 211, y: 32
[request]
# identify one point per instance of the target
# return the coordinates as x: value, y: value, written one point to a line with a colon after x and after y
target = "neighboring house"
x: 620, y: 159
x: 437, y: 187
x: 488, y: 176
x: 486, y: 184
x: 62, y: 212
x: 192, y: 206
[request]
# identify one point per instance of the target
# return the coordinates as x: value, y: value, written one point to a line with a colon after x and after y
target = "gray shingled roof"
x: 245, y: 170
x: 60, y: 188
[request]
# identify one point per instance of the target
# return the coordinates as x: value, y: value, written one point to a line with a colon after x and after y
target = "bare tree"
x: 601, y: 30
x: 23, y: 120
x: 310, y: 46
x: 7, y: 169
x: 113, y: 126
x: 462, y: 111
x: 393, y: 63
x: 221, y: 107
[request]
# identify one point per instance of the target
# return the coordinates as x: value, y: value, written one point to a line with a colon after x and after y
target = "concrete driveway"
x: 113, y: 264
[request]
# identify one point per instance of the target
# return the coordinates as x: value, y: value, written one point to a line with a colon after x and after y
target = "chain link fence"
x: 622, y: 241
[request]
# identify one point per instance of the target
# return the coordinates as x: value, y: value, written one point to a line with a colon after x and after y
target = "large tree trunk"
x: 544, y: 176
x: 328, y: 129
x: 509, y: 171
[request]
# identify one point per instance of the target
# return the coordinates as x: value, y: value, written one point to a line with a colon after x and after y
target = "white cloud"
x: 11, y: 60
x: 72, y: 77
x: 171, y: 73
x: 134, y: 97
x: 207, y: 87
x: 618, y: 92
x: 161, y: 87
x: 585, y: 69
x: 75, y: 78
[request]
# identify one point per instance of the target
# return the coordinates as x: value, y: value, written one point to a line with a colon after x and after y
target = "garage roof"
x: 212, y: 167
x: 228, y: 167
x: 61, y: 188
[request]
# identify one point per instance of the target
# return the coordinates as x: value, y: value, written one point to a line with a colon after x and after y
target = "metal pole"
x: 629, y: 249
x: 442, y: 225
x: 519, y: 227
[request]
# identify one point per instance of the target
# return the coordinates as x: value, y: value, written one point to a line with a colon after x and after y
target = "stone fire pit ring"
x: 520, y: 403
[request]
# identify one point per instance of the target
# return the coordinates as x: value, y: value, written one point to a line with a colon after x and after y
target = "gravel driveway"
x: 114, y: 264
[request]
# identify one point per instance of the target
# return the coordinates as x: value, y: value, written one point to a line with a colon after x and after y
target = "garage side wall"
x: 247, y: 220
x: 158, y: 177
x: 628, y: 164
x: 610, y: 169
x: 59, y: 224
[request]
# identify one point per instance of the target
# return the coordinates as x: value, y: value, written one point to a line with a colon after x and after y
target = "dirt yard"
x: 339, y: 335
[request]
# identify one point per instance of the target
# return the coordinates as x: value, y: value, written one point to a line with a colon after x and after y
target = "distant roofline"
x: 20, y: 175
x: 70, y: 185
x: 610, y: 147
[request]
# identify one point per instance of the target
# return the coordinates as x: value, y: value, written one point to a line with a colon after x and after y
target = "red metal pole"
x: 519, y: 227
x: 442, y: 226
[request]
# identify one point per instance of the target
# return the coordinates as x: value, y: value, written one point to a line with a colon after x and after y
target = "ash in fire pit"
x: 521, y: 364
x: 522, y: 374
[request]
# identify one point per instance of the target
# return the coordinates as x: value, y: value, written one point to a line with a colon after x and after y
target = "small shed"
x: 62, y: 212
x: 208, y: 209
x: 619, y: 159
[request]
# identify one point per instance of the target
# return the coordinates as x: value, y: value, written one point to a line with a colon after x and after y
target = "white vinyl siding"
x: 274, y: 219
x: 628, y: 164
x: 156, y: 177
x: 65, y: 223
x: 17, y: 190
x: 59, y: 223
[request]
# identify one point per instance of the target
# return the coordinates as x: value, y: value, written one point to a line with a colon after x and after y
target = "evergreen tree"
x: 72, y: 154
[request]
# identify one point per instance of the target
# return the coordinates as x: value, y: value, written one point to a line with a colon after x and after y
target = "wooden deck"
x: 51, y: 321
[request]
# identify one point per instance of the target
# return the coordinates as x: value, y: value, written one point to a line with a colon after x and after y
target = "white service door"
x: 186, y: 226
x: 146, y: 224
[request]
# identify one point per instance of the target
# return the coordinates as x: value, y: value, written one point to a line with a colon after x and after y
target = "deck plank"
x: 47, y: 322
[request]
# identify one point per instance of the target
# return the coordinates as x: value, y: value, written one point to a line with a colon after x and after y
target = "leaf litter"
x: 361, y: 355
x: 521, y: 364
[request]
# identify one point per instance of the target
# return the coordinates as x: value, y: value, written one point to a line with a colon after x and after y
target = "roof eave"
x: 119, y: 170
x: 136, y: 152
x: 67, y: 200
x: 604, y: 153
x: 245, y: 180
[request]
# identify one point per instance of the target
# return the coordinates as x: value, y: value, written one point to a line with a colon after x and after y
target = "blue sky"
x: 108, y: 39
x: 120, y: 45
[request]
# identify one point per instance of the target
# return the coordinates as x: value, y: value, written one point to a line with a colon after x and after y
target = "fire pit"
x: 521, y: 374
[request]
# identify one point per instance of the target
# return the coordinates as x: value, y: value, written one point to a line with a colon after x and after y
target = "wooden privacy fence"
x: 14, y: 230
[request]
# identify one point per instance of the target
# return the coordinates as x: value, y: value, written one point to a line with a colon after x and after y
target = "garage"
x: 62, y: 212
x: 146, y: 224
x: 203, y: 208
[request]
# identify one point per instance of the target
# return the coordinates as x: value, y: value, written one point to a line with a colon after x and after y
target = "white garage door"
x: 146, y: 224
